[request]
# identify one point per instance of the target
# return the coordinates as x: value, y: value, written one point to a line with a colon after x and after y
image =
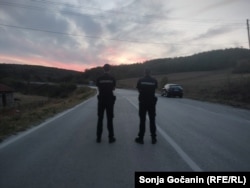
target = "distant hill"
x: 206, y: 61
x: 34, y: 73
x: 236, y: 59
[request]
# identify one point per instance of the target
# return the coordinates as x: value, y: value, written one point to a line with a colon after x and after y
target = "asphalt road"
x: 62, y: 152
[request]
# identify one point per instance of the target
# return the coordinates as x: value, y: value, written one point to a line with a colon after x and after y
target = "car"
x: 172, y: 90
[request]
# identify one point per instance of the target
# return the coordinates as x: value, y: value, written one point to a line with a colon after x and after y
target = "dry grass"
x: 188, y: 79
x: 32, y: 110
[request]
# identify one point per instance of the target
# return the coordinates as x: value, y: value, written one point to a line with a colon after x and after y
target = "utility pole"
x: 248, y: 32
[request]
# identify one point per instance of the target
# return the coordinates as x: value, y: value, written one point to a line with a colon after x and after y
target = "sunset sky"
x: 82, y: 34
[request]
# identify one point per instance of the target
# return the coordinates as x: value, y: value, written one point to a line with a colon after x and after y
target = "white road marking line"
x: 176, y: 147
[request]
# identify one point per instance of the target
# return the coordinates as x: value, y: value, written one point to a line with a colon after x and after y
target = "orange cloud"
x: 121, y: 57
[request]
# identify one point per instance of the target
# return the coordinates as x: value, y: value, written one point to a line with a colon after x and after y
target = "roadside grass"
x: 222, y: 87
x: 32, y: 110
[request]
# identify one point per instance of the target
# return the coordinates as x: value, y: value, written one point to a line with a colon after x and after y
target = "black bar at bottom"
x: 195, y: 179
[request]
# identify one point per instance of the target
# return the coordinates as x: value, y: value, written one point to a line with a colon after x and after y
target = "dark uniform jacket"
x: 146, y: 87
x: 106, y: 84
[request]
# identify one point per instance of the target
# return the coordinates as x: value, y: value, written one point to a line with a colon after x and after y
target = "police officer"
x: 147, y: 102
x: 106, y: 100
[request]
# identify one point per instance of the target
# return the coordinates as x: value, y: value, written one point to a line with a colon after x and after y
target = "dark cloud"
x: 212, y: 33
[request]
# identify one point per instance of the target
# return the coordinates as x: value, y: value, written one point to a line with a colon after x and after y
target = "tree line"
x: 236, y: 58
x: 35, y: 73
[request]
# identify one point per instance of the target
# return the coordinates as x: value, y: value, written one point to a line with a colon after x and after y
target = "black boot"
x: 98, y: 140
x: 154, y: 140
x: 139, y: 140
x: 112, y: 140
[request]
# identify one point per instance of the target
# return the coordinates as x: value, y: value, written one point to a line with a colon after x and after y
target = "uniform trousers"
x: 147, y: 106
x: 105, y: 104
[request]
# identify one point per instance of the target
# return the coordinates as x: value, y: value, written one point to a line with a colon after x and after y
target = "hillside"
x: 236, y: 59
x: 36, y: 73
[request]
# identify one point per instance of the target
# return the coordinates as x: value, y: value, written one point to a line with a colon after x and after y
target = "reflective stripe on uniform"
x: 148, y: 83
x: 106, y: 81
